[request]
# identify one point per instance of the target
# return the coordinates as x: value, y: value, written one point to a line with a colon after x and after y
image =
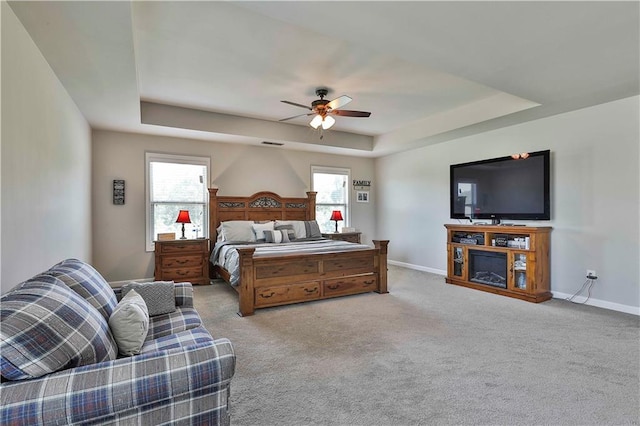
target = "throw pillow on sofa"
x: 159, y: 296
x: 88, y: 283
x: 47, y: 327
x: 129, y: 323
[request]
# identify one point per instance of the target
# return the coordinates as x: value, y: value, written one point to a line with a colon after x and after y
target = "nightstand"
x: 182, y: 261
x: 352, y: 237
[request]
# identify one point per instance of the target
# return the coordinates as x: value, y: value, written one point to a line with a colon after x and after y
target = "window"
x: 332, y: 186
x: 174, y: 183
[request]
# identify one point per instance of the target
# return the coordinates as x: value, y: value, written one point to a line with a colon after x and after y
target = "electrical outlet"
x: 591, y: 273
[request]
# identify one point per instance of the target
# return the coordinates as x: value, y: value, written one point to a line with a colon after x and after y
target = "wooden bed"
x: 293, y: 278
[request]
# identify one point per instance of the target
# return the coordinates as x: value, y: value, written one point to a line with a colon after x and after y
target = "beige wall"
x: 119, y: 231
x: 595, y: 202
x: 46, y: 160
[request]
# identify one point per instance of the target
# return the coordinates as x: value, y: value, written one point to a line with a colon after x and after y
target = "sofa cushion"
x: 88, y: 283
x: 181, y: 339
x: 175, y: 322
x: 47, y: 327
x: 129, y: 323
x: 159, y: 296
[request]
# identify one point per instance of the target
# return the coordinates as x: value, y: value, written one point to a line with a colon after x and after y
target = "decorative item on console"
x: 464, y: 238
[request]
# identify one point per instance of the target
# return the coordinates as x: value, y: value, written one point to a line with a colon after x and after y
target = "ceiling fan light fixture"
x: 328, y: 122
x: 317, y: 120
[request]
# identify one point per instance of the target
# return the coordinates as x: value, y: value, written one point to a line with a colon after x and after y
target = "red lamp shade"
x: 336, y: 215
x: 183, y: 217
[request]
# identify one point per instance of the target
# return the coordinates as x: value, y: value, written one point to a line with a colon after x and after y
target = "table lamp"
x: 336, y: 215
x: 183, y: 217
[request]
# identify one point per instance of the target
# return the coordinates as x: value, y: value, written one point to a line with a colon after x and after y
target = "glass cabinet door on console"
x: 519, y: 271
x: 458, y: 261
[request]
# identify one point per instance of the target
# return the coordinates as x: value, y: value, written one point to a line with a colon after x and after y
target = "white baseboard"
x: 634, y: 310
x: 418, y: 267
x: 556, y: 295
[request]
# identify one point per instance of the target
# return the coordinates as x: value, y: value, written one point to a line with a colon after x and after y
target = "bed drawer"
x: 181, y: 261
x: 287, y: 293
x: 354, y: 263
x: 350, y: 285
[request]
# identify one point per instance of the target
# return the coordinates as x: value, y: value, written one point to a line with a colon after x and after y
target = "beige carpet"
x: 428, y: 353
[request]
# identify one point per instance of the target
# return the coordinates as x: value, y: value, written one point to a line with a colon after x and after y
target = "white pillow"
x: 298, y: 227
x: 129, y: 323
x: 238, y: 230
x: 259, y: 229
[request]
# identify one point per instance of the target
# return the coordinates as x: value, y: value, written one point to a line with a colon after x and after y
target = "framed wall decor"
x: 118, y: 191
x: 362, y: 196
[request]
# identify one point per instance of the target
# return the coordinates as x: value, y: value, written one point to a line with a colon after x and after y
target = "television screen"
x: 502, y: 188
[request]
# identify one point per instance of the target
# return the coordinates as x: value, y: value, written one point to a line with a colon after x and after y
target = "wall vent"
x: 272, y: 143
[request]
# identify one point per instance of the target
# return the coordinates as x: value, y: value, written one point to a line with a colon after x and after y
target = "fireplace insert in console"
x: 487, y: 267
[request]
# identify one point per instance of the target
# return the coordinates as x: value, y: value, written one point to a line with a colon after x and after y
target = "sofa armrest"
x: 98, y: 392
x: 184, y: 295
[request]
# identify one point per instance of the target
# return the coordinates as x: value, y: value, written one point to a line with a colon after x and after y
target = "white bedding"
x: 226, y: 255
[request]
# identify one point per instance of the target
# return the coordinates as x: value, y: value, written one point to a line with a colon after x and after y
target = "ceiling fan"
x: 322, y: 110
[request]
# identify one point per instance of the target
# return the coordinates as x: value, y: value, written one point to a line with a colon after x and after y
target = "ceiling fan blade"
x: 347, y: 113
x: 339, y: 102
x: 298, y: 105
x: 296, y: 116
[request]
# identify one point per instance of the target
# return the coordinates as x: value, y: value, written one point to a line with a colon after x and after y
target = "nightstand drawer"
x: 182, y: 247
x: 351, y: 237
x: 181, y: 261
x: 182, y: 274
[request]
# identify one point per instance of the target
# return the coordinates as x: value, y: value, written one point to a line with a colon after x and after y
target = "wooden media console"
x: 507, y: 260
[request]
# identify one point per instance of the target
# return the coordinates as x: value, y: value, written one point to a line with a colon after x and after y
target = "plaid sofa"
x: 60, y: 365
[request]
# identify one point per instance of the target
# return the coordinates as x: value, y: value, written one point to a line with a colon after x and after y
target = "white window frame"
x: 152, y: 157
x: 337, y: 171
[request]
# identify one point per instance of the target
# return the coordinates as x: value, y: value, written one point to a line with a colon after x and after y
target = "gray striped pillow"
x: 277, y: 236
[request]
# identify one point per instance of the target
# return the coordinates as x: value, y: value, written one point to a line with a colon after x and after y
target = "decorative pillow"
x: 290, y: 231
x: 298, y: 227
x: 259, y: 229
x: 88, y: 283
x: 159, y: 296
x: 47, y: 327
x: 312, y: 229
x: 129, y: 323
x: 280, y: 236
x: 238, y: 230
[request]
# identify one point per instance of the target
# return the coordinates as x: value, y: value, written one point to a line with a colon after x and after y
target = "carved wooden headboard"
x: 259, y: 206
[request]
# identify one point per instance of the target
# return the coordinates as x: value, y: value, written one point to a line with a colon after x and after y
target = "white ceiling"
x: 427, y: 71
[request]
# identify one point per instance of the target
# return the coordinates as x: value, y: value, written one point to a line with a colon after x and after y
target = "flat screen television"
x: 501, y: 188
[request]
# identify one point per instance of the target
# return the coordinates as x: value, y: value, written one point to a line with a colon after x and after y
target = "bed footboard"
x: 281, y: 280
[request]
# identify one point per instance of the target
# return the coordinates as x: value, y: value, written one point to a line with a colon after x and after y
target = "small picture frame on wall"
x: 362, y: 196
x: 118, y: 192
